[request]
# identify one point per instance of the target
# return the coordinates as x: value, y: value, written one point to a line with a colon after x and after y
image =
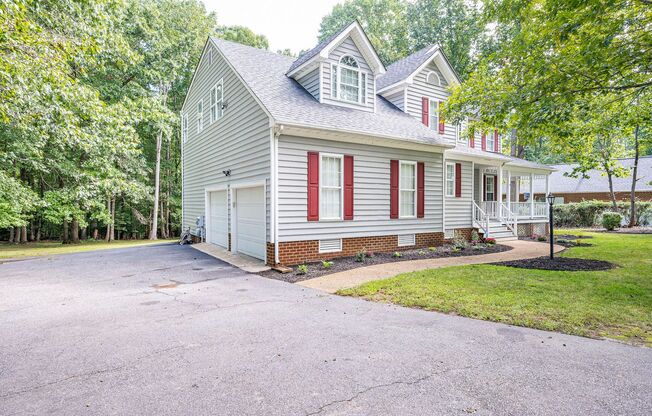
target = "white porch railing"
x: 509, y: 218
x: 491, y: 208
x: 481, y: 219
x: 529, y: 210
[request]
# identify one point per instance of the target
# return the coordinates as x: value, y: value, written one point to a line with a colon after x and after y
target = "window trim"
x: 200, y: 116
x: 490, y: 142
x: 438, y: 84
x: 434, y: 124
x: 452, y: 194
x: 458, y: 132
x: 488, y: 176
x: 336, y: 81
x: 401, y: 189
x: 321, y: 186
x: 184, y: 127
x: 218, y: 108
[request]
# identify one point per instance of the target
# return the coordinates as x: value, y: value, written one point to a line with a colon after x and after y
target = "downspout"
x: 276, y: 132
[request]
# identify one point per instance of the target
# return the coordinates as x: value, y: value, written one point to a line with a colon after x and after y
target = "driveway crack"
x: 399, y: 382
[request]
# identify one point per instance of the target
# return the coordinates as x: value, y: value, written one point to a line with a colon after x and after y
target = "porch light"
x: 551, y: 202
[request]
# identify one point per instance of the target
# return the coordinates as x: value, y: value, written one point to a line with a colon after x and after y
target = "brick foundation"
x: 297, y: 252
x: 464, y: 232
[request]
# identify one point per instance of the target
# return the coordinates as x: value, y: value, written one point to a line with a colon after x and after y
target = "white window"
x: 450, y: 179
x: 330, y: 187
x: 458, y: 133
x: 434, y: 114
x: 200, y: 116
x: 216, y: 99
x: 433, y: 79
x: 349, y: 83
x: 491, y: 141
x: 184, y: 127
x: 407, y: 189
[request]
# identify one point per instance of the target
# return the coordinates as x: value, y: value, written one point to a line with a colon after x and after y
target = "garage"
x: 249, y: 221
x: 218, y: 219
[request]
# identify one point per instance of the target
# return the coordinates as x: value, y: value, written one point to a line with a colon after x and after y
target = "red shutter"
x: 442, y: 122
x: 472, y: 138
x: 484, y: 141
x: 484, y: 187
x: 393, y: 189
x: 421, y: 180
x: 425, y: 116
x: 496, y: 141
x: 496, y: 193
x: 313, y: 186
x: 348, y: 187
x: 458, y: 180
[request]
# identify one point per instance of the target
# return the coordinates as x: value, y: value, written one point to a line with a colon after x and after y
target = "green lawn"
x: 14, y: 251
x: 614, y: 304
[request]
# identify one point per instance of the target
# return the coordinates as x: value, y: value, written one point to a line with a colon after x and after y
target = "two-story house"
x: 297, y: 160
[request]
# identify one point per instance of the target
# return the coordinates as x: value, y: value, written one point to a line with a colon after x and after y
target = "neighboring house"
x: 596, y: 184
x: 332, y: 153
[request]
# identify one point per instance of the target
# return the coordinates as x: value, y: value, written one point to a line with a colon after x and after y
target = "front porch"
x: 503, y: 198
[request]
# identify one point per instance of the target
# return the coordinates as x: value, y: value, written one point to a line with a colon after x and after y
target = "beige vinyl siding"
x: 459, y: 211
x: 239, y: 141
x: 371, y: 191
x: 420, y: 89
x: 397, y: 98
x: 347, y: 47
x: 310, y: 82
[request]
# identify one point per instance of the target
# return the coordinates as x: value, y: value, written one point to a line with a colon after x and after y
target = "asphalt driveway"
x: 165, y: 329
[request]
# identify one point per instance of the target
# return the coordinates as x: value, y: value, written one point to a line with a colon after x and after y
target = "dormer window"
x: 433, y: 79
x: 349, y: 83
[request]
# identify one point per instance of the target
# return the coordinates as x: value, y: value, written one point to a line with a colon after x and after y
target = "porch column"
x: 500, y: 187
x: 531, y: 195
x: 547, y: 185
x: 509, y: 190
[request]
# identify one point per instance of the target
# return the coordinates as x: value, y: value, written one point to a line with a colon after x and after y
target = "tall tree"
x: 242, y: 35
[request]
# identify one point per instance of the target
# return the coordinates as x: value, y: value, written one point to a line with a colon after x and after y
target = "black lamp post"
x: 551, y: 201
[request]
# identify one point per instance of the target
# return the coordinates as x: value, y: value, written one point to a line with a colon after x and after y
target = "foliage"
x: 490, y: 241
x: 475, y: 237
x: 611, y: 220
x: 360, y: 256
x: 397, y: 254
x: 588, y: 213
x: 613, y: 303
x: 326, y: 264
x: 302, y: 269
x: 242, y: 35
x: 459, y: 242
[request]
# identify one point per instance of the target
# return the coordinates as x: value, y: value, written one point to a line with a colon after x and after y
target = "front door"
x: 490, y: 187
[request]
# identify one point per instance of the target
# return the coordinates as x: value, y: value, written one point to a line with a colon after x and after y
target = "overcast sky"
x: 290, y: 24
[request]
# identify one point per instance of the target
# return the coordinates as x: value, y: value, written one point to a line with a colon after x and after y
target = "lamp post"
x: 551, y: 201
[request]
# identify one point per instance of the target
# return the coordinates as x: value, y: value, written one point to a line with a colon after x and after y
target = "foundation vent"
x: 405, y: 240
x: 330, y: 246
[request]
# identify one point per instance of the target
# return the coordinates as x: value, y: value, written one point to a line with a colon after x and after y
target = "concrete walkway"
x: 350, y: 278
x: 241, y: 261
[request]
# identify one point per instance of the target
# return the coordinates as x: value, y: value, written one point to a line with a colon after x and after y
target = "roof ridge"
x: 242, y: 45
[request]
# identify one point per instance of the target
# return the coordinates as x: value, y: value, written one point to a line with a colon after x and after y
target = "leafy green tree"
x: 242, y: 35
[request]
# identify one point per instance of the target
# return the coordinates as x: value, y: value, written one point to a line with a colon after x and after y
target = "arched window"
x: 433, y: 79
x: 349, y: 83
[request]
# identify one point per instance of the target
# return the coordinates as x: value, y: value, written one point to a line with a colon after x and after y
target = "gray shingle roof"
x: 509, y: 160
x: 597, y: 182
x: 288, y: 102
x: 402, y: 69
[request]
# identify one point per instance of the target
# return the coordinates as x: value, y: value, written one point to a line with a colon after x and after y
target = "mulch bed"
x: 567, y: 264
x: 347, y: 263
x: 565, y: 240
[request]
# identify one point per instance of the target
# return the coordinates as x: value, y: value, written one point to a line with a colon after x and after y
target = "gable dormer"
x: 341, y: 70
x: 419, y: 85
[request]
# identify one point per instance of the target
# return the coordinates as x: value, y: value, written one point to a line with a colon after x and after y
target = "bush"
x: 542, y: 238
x: 490, y: 241
x: 302, y: 269
x: 611, y: 220
x: 475, y: 237
x: 397, y: 255
x: 589, y: 213
x: 459, y: 242
x: 326, y: 264
x: 360, y: 256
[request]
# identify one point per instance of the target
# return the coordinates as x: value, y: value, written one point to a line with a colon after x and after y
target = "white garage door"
x: 250, y: 221
x: 218, y: 221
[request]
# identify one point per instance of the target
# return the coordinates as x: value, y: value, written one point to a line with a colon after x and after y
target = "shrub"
x: 326, y: 264
x: 490, y: 241
x: 370, y: 254
x: 611, y: 220
x: 433, y: 249
x: 589, y: 213
x: 422, y: 252
x: 302, y: 269
x: 397, y: 255
x: 475, y: 237
x: 360, y: 256
x: 459, y: 242
x: 541, y: 238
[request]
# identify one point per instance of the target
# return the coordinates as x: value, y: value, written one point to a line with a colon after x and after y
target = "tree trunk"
x: 157, y: 177
x: 632, y: 195
x: 31, y: 231
x: 65, y: 239
x: 110, y: 205
x: 38, y: 231
x: 84, y: 233
x: 23, y: 234
x: 11, y: 234
x: 612, y: 194
x: 74, y: 231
